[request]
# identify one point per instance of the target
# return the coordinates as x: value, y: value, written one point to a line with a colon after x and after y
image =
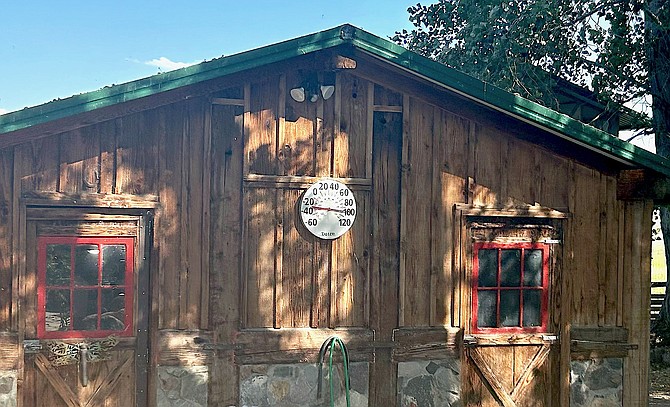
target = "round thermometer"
x: 328, y: 209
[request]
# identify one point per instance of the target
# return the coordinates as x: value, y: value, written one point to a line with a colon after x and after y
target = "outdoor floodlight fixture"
x: 327, y: 91
x: 298, y: 94
x: 310, y: 89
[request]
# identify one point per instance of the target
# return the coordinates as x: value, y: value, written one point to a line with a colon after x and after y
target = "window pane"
x: 85, y: 310
x: 58, y: 264
x: 510, y: 264
x: 532, y: 307
x: 113, y: 265
x: 488, y: 267
x: 532, y: 272
x: 509, y: 308
x: 487, y: 302
x: 57, y: 313
x: 113, y: 309
x: 86, y: 264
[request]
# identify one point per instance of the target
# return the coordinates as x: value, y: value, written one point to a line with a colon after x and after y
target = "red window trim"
x: 544, y: 290
x: 43, y: 241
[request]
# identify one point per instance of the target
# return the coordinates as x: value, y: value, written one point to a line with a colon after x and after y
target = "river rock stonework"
x: 434, y: 383
x: 296, y: 385
x: 183, y: 386
x: 596, y: 383
x: 8, y: 388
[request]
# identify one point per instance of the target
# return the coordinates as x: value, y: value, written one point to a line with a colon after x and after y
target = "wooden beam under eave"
x: 643, y: 184
x: 342, y: 62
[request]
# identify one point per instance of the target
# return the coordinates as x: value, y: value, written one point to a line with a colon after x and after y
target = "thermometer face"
x: 328, y: 209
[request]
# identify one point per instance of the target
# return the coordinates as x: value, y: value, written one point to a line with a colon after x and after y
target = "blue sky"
x: 55, y: 49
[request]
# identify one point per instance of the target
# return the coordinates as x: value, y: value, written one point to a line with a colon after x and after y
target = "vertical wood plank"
x: 404, y: 176
x: 29, y: 285
x: 337, y: 119
x: 27, y: 381
x: 554, y: 178
x: 6, y: 214
x: 129, y: 178
x: 369, y: 125
x: 386, y: 206
x: 278, y: 293
x: 107, y: 166
x: 37, y: 165
x: 79, y: 161
x: 487, y: 167
x: 206, y: 165
x: 260, y: 149
x: 350, y: 269
x: 416, y: 242
x: 442, y: 295
x: 474, y: 389
x: 297, y: 265
x: 351, y: 135
x: 609, y: 250
x: 602, y: 275
x: 621, y: 261
x: 636, y: 310
x: 567, y: 270
x: 587, y: 227
x: 184, y: 218
x: 449, y: 168
x: 260, y: 255
x: 168, y: 219
x: 18, y: 263
x: 297, y: 141
x: 630, y: 367
x: 281, y: 125
x: 325, y: 130
x: 225, y: 253
x: 21, y: 282
x: 520, y: 173
x: 320, y: 317
x: 193, y: 226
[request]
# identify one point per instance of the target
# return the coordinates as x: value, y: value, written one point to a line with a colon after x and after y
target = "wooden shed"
x: 193, y: 238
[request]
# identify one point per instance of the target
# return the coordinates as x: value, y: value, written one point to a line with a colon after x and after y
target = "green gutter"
x: 448, y: 78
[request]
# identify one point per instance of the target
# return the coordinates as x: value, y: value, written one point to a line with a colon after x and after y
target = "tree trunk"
x: 658, y: 57
x: 663, y: 319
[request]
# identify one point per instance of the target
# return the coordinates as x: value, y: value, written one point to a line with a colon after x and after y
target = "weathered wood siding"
x: 228, y: 167
x: 292, y: 280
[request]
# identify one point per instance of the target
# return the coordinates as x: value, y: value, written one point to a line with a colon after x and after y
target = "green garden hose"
x: 329, y: 345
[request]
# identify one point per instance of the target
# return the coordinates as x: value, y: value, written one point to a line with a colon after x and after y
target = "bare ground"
x: 659, y: 386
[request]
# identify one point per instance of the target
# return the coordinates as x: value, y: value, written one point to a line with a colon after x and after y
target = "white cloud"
x: 3, y: 111
x: 165, y: 64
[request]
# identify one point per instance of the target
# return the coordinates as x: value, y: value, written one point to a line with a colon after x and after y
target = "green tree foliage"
x: 523, y: 45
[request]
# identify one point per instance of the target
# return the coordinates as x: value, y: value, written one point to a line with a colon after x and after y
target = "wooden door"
x: 503, y: 374
x: 85, y: 312
x: 510, y: 354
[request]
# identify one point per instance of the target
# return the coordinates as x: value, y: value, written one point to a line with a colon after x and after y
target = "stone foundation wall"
x: 295, y: 385
x: 596, y: 382
x: 434, y: 383
x: 8, y: 388
x: 183, y: 386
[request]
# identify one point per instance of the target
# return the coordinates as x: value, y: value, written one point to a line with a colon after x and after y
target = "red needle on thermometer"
x: 328, y: 209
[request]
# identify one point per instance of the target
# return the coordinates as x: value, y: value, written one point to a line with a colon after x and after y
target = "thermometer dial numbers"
x: 328, y: 209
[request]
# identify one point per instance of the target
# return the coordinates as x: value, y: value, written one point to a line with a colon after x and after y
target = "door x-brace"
x: 499, y: 392
x: 68, y: 396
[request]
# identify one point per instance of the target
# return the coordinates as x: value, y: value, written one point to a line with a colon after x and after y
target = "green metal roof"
x: 439, y: 74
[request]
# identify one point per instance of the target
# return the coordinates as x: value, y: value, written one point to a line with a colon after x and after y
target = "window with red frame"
x: 85, y: 287
x: 510, y: 287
